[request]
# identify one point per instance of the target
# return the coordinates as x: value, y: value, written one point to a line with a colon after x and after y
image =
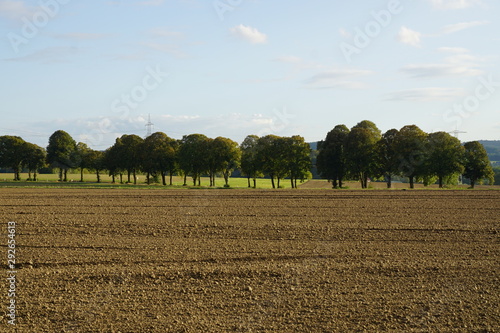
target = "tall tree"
x: 193, y: 156
x: 12, y: 154
x: 225, y: 156
x: 130, y: 150
x: 331, y: 160
x: 298, y: 158
x: 82, y: 157
x: 411, y: 151
x: 158, y: 155
x: 271, y: 154
x: 96, y: 162
x: 61, y: 153
x: 35, y: 157
x: 477, y: 163
x: 362, y: 158
x: 388, y: 158
x: 250, y: 165
x: 111, y: 161
x: 445, y: 156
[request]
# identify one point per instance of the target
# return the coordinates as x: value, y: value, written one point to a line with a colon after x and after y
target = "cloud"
x: 49, y: 55
x: 15, y: 10
x: 425, y: 94
x: 452, y: 28
x: 288, y: 59
x: 171, y: 49
x: 248, y: 34
x: 409, y: 37
x: 163, y: 32
x: 459, y: 63
x: 434, y: 70
x: 151, y: 3
x: 454, y: 50
x: 454, y: 4
x: 81, y: 36
x: 338, y: 78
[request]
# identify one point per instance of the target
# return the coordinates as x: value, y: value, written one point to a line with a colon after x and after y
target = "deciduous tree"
x: 477, y: 163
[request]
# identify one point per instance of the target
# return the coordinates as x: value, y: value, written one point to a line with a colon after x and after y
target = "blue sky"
x: 231, y: 68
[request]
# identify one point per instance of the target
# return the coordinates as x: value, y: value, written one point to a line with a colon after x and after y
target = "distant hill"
x: 313, y: 145
x: 492, y: 148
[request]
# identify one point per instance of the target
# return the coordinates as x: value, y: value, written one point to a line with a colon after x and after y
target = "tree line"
x: 360, y: 153
x: 158, y: 156
x: 363, y: 152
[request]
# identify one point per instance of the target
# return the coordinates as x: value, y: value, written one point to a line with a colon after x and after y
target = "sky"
x: 231, y: 68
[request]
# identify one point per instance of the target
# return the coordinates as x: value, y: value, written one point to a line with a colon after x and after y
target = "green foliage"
x: 477, y: 164
x: 12, y: 153
x: 410, y: 148
x: 445, y: 156
x: 62, y: 153
x: 331, y: 161
x: 194, y: 155
x: 496, y: 172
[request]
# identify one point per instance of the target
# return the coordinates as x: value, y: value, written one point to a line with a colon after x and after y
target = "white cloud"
x: 446, y: 69
x: 452, y: 28
x: 344, y: 33
x: 425, y: 94
x: 338, y: 78
x: 409, y: 37
x: 454, y: 4
x: 81, y: 36
x: 249, y: 34
x: 15, y: 10
x: 454, y: 50
x: 171, y: 49
x: 289, y: 59
x: 162, y: 32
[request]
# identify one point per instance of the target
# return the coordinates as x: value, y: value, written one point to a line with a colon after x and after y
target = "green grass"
x: 90, y: 181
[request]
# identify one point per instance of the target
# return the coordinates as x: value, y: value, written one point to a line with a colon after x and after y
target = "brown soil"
x: 254, y: 260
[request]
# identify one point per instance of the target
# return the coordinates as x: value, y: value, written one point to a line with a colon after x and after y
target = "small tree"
x: 477, y: 163
x: 34, y: 159
x: 331, y: 161
x: 388, y: 158
x: 445, y: 156
x: 250, y: 165
x: 12, y: 154
x: 61, y: 153
x: 410, y: 146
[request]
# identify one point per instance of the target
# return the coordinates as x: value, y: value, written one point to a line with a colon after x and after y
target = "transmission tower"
x: 149, y: 126
x: 456, y: 133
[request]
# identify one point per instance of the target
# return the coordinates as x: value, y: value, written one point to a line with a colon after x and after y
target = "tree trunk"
x: 185, y: 180
x: 194, y: 180
x: 255, y: 183
x: 81, y: 175
x: 340, y: 183
x: 29, y: 174
x: 98, y: 176
x: 226, y: 178
x: 113, y: 178
x: 128, y: 176
x: 147, y: 178
x: 389, y: 181
x: 121, y: 178
x: 135, y: 177
x: 170, y: 174
x: 163, y: 180
x: 291, y: 180
x: 411, y: 182
x: 272, y: 181
x: 60, y: 174
x: 65, y: 175
x: 279, y: 179
x: 472, y: 183
x: 199, y: 180
x: 440, y: 181
x: 248, y: 179
x: 34, y: 176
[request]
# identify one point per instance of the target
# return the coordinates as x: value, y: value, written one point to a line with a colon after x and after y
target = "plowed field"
x: 253, y: 260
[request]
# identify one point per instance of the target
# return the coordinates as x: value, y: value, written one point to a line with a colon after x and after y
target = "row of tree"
x: 363, y: 152
x: 159, y: 156
x: 360, y: 153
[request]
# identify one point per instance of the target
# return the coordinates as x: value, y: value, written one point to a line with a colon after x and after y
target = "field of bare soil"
x: 110, y: 260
